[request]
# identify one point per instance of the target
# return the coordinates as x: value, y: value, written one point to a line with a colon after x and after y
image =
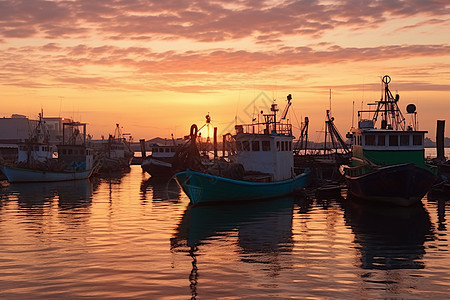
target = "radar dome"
x: 411, y: 108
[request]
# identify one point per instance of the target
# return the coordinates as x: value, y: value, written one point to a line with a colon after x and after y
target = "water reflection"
x: 70, y: 194
x: 160, y: 189
x: 440, y: 202
x: 39, y: 203
x: 263, y: 231
x: 261, y: 225
x: 389, y: 237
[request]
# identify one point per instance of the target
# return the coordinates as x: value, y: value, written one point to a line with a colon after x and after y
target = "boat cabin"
x: 386, y: 147
x: 163, y: 151
x: 73, y: 150
x: 28, y: 152
x: 36, y: 148
x: 393, y: 141
x: 77, y: 157
x: 384, y: 139
x: 267, y: 147
x: 270, y: 154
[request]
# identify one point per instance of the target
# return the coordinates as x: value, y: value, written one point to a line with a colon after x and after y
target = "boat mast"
x: 270, y: 120
x: 392, y: 117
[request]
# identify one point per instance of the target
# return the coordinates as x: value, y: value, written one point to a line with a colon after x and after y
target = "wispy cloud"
x: 202, y: 20
x: 129, y: 67
x: 85, y: 43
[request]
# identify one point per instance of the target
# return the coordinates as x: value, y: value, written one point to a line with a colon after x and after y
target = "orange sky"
x: 156, y: 67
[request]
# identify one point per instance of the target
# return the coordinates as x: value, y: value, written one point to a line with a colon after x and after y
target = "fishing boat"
x: 169, y: 157
x: 388, y: 163
x: 323, y: 162
x: 37, y: 162
x: 115, y: 154
x: 159, y: 163
x: 264, y: 167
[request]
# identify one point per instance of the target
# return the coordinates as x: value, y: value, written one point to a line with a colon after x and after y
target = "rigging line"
x: 296, y: 119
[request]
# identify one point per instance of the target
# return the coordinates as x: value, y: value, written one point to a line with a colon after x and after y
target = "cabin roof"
x: 375, y: 130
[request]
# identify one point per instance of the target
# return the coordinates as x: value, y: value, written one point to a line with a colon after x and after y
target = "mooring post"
x: 215, y: 142
x: 440, y: 140
x: 143, y: 151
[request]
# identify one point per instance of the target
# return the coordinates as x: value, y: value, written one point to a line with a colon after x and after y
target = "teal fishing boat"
x: 264, y: 166
x: 388, y: 162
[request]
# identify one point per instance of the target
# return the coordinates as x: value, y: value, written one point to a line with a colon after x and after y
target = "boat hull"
x: 403, y: 184
x: 157, y: 168
x: 27, y: 175
x: 206, y: 188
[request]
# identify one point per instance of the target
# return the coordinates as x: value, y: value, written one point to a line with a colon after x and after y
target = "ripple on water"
x: 130, y: 237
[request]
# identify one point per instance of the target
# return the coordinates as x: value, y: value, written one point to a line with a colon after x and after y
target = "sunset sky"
x: 156, y: 67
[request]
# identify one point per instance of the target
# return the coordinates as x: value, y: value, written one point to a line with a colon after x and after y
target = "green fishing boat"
x: 388, y: 162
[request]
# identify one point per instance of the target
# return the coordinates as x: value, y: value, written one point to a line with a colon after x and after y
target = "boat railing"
x: 355, y: 171
x: 264, y: 128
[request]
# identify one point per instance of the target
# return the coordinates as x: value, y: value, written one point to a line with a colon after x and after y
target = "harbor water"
x: 128, y: 236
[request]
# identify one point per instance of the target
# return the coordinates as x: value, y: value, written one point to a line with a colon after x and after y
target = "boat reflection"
x: 70, y: 194
x: 261, y: 226
x: 440, y: 202
x: 389, y: 237
x: 161, y: 189
x: 110, y: 177
x: 263, y: 230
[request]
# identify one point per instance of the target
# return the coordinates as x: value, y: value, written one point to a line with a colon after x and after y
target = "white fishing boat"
x: 264, y: 168
x: 115, y: 154
x: 37, y: 162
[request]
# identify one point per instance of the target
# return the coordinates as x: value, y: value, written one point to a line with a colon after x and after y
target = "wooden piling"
x: 440, y: 140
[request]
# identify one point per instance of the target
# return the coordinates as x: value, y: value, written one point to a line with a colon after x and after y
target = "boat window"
x: 286, y: 145
x: 69, y: 152
x: 417, y: 140
x: 381, y: 140
x: 64, y: 151
x: 278, y: 146
x: 370, y: 140
x: 246, y: 146
x: 266, y: 145
x: 282, y: 146
x: 172, y: 149
x: 359, y: 140
x: 167, y: 150
x: 404, y: 140
x: 255, y: 146
x: 290, y: 146
x: 393, y: 140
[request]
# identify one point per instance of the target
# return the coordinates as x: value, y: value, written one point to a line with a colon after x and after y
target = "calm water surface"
x: 130, y: 237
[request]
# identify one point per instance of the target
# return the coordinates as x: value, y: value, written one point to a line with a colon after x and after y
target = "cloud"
x: 202, y: 20
x: 138, y: 68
